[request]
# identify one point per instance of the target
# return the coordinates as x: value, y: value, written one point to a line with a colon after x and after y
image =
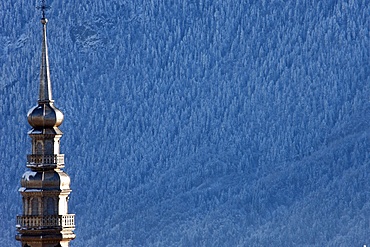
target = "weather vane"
x: 43, y: 8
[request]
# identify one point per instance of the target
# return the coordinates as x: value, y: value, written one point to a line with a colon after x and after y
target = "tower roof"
x: 45, y: 114
x: 45, y: 94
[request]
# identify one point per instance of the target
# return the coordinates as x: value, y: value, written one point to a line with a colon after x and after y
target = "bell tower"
x: 45, y: 187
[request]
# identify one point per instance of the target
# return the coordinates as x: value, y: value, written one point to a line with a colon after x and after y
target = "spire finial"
x: 43, y: 8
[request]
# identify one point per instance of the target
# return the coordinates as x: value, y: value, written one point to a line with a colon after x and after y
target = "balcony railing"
x: 49, y: 221
x: 36, y: 160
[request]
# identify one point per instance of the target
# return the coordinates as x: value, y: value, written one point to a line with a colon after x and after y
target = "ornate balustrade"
x: 41, y: 160
x: 31, y: 221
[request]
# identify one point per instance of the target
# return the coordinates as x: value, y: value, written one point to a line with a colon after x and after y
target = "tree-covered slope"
x: 197, y: 123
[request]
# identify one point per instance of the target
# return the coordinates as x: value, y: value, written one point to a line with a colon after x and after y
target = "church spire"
x: 45, y: 115
x: 45, y: 94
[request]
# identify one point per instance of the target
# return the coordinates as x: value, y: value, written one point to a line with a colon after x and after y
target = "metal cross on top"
x: 43, y: 8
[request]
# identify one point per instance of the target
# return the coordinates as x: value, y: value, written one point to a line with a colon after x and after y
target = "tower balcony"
x: 45, y: 161
x: 30, y: 222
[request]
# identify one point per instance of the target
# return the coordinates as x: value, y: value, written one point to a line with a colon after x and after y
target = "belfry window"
x: 48, y: 147
x: 50, y: 206
x: 35, y: 206
x: 39, y: 147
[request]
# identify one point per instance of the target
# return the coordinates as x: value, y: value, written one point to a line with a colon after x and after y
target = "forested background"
x: 197, y: 122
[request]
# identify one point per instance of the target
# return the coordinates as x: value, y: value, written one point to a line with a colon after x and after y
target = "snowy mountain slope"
x: 200, y: 123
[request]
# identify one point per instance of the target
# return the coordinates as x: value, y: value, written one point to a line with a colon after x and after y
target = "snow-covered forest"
x: 197, y: 122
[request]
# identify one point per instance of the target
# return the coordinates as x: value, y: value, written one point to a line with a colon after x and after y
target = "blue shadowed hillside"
x: 197, y: 123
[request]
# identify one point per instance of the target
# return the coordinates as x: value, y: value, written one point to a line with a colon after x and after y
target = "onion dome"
x: 45, y: 116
